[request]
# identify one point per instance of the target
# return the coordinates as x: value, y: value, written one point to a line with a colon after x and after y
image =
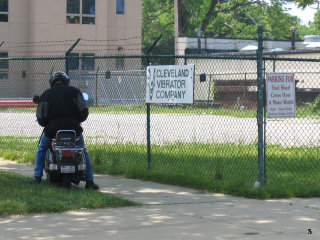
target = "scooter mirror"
x: 36, y: 99
x: 85, y: 96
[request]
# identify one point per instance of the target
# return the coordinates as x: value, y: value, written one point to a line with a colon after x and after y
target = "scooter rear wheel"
x: 53, y: 178
x: 66, y: 181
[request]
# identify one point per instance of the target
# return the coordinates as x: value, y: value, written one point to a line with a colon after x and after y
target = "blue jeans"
x: 41, y: 154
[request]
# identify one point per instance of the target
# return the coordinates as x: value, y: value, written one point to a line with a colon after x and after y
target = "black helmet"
x: 59, y: 76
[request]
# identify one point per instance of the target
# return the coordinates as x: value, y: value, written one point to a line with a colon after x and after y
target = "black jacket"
x: 61, y: 107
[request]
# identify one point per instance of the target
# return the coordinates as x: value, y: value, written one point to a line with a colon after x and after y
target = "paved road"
x: 109, y: 128
x: 169, y: 212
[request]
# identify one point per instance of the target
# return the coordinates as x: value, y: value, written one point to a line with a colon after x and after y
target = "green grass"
x: 198, y: 109
x: 19, y: 110
x: 17, y: 197
x: 21, y: 149
x: 226, y: 168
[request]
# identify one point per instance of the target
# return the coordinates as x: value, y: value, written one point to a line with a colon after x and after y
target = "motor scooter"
x: 65, y: 162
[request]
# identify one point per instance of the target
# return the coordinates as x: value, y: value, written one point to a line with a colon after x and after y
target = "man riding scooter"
x: 61, y: 107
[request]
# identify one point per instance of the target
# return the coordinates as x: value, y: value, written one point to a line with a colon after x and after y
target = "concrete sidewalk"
x: 169, y: 212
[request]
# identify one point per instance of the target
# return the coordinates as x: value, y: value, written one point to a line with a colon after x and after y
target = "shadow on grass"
x: 18, y: 197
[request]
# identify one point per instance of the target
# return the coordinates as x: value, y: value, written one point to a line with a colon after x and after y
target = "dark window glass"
x: 120, y: 7
x: 88, y: 7
x: 3, y: 17
x: 87, y: 63
x: 120, y: 63
x: 3, y: 75
x: 88, y: 20
x: 73, y: 63
x: 3, y: 5
x: 73, y: 19
x: 73, y: 6
x: 4, y: 66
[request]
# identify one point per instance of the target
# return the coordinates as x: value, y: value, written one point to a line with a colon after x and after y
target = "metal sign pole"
x: 260, y: 107
x: 148, y: 108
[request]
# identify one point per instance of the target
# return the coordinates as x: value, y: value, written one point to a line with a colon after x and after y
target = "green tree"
x: 305, y: 3
x: 216, y: 18
x: 158, y: 18
x: 278, y: 23
x: 315, y: 25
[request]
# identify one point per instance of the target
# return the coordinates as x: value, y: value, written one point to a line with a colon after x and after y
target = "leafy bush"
x: 316, y: 104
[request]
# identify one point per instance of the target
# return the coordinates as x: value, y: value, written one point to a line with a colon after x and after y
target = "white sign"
x: 170, y: 84
x: 281, y: 97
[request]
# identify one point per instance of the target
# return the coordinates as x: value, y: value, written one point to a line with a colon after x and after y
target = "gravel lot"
x: 110, y: 128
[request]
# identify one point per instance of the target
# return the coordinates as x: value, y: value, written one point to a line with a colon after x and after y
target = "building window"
x: 120, y: 7
x: 85, y: 63
x: 73, y: 63
x: 81, y: 11
x: 119, y: 63
x: 4, y: 66
x: 4, y: 11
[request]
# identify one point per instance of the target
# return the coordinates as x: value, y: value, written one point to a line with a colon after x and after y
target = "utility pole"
x: 176, y: 27
x: 293, y: 38
x: 199, y: 40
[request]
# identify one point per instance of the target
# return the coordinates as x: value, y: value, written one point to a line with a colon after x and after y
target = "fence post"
x: 97, y: 73
x: 245, y: 91
x: 260, y: 107
x: 209, y: 92
x: 148, y: 107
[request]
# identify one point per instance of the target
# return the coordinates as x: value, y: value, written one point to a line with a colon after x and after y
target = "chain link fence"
x: 213, y: 140
x: 292, y: 144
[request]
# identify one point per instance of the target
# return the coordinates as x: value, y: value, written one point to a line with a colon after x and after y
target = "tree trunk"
x: 209, y: 15
x: 183, y: 18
